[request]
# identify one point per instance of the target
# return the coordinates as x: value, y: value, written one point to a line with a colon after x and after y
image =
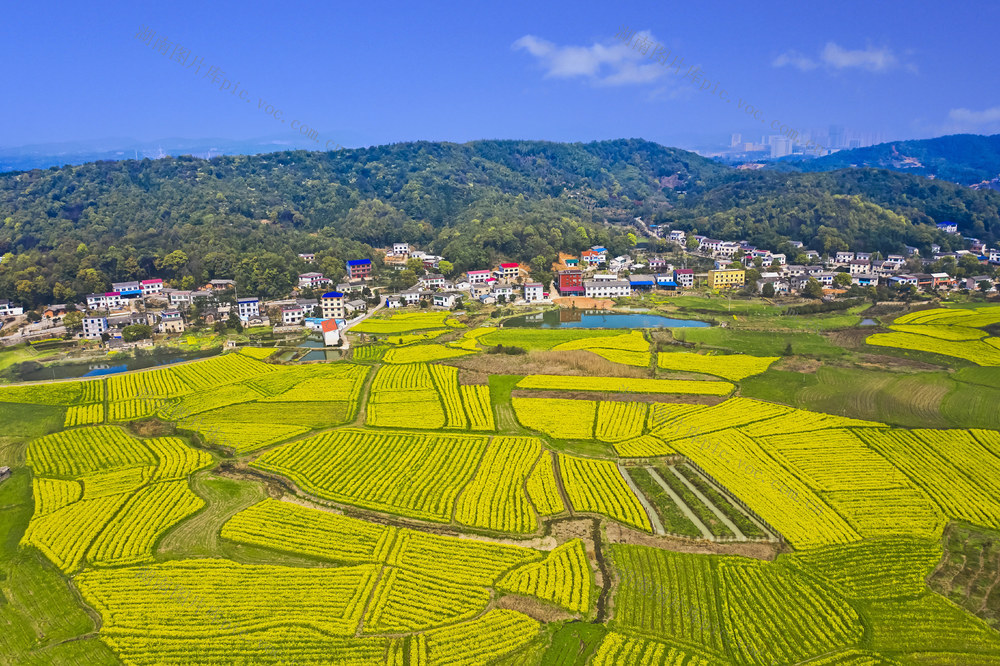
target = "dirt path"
x: 685, y: 509
x: 711, y: 507
x: 654, y: 519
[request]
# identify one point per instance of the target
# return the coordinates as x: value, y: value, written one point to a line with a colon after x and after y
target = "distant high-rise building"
x: 780, y: 146
x: 837, y: 136
x: 735, y: 140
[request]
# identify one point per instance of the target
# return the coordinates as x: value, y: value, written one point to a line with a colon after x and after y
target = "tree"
x: 813, y: 289
x: 34, y: 317
x: 501, y: 299
x: 137, y: 332
x: 692, y: 243
x: 632, y: 239
x: 424, y: 304
x: 73, y: 321
x: 984, y: 285
x: 842, y: 279
x: 234, y: 322
x: 446, y: 267
x: 767, y: 291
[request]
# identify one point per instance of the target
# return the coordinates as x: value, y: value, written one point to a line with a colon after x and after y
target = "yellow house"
x: 726, y: 278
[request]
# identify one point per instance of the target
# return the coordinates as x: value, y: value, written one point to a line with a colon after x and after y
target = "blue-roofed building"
x: 666, y: 281
x: 332, y: 304
x: 359, y: 268
x: 642, y: 282
x: 127, y: 289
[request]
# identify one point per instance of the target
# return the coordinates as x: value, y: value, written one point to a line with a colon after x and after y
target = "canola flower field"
x: 395, y: 509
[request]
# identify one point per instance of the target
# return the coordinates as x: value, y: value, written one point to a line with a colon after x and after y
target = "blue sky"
x: 379, y: 72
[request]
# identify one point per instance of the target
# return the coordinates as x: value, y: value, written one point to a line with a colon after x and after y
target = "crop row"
x: 619, y: 421
x: 207, y: 597
x: 564, y: 419
x: 976, y: 351
x: 423, y: 353
x: 402, y: 322
x: 476, y: 398
x: 597, y: 486
x: 411, y: 474
x: 147, y: 514
x: 542, y: 488
x: 624, y: 385
x: 78, y: 415
x: 445, y: 380
x: 86, y: 450
x: 407, y: 601
x: 564, y: 578
x: 496, y: 498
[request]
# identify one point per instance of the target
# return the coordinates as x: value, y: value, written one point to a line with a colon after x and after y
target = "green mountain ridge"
x: 73, y: 230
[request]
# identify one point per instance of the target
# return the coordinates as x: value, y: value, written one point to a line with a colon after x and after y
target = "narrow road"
x: 653, y: 518
x: 685, y: 509
x: 711, y: 507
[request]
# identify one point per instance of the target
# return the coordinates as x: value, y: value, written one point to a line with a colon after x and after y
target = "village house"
x: 641, y: 282
x: 93, y: 327
x: 151, y: 287
x: 431, y: 280
x: 592, y: 258
x: 445, y: 299
x: 778, y: 257
x: 508, y: 272
x: 657, y: 264
x: 313, y: 280
x: 903, y: 280
x: 171, y: 321
x: 863, y: 256
x: 844, y: 257
x: 504, y: 290
x: 359, y: 269
x: 607, y: 288
x: 864, y: 279
x: 7, y: 309
x: 307, y: 257
x: 106, y: 301
x: 570, y: 282
x: 479, y: 276
x: 684, y: 277
x: 666, y: 281
x: 292, y: 316
x: 332, y: 305
x: 858, y: 267
x: 394, y: 302
x: 220, y: 285
x: 357, y: 305
x: 395, y: 261
x: 127, y: 289
x: 676, y: 236
x: 948, y: 227
x: 248, y: 308
x: 533, y: 291
x: 726, y: 278
x: 401, y: 249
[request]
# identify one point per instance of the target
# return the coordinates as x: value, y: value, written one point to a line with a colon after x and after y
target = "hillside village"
x: 318, y: 304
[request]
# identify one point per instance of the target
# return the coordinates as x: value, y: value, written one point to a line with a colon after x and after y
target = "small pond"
x: 568, y: 318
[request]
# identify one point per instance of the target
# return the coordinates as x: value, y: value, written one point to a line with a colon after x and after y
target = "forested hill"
x: 960, y: 158
x: 73, y: 230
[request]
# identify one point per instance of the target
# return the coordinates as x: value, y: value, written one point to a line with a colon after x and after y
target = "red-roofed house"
x: 478, y: 277
x: 592, y: 258
x: 331, y: 332
x: 507, y: 271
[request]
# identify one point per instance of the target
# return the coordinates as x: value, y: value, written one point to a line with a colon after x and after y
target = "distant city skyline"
x: 387, y: 72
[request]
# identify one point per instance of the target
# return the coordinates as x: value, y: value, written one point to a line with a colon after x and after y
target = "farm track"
x: 654, y: 519
x: 711, y: 507
x: 685, y: 509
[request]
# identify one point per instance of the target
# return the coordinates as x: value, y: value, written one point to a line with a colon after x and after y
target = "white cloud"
x: 796, y: 60
x: 614, y: 65
x: 967, y: 120
x: 836, y: 57
x: 872, y: 59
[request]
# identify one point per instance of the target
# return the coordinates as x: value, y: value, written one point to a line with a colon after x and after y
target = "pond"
x: 568, y: 318
x: 322, y: 355
x: 868, y: 322
x: 111, y: 366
